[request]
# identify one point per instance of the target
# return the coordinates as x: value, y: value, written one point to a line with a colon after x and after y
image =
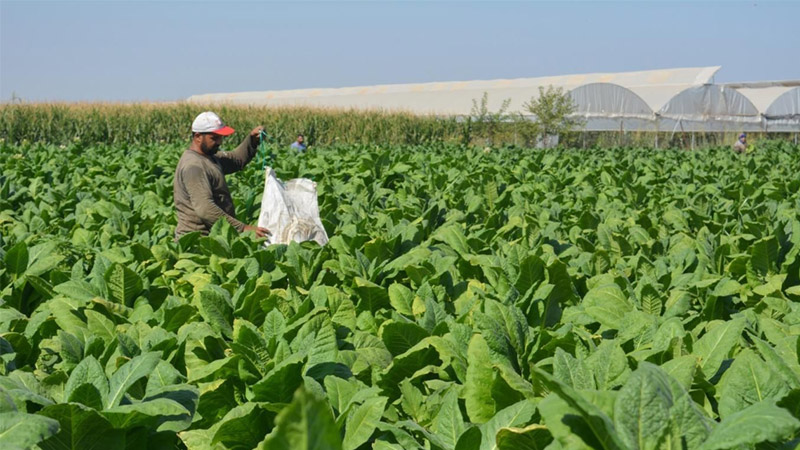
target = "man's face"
x: 209, y: 143
x: 300, y: 139
x: 743, y: 139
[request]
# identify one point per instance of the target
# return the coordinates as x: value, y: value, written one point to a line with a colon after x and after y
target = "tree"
x: 551, y: 111
x: 489, y: 122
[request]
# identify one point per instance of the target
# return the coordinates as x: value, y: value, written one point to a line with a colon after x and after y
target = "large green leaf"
x: 761, y: 422
x: 89, y: 372
x: 401, y: 298
x: 516, y: 415
x: 163, y: 376
x: 608, y: 365
x: 124, y: 285
x: 650, y: 299
x: 215, y: 306
x: 531, y: 273
x: 749, y: 380
x: 373, y: 297
x: 244, y: 427
x: 406, y: 365
x: 608, y: 305
x: 764, y: 255
x: 340, y: 392
x: 478, y: 387
x: 130, y: 372
x: 571, y: 371
x: 532, y: 437
x: 280, y: 383
x: 251, y: 344
x: 19, y: 430
x: 564, y: 424
x: 715, y: 346
x: 453, y: 236
x: 599, y: 430
x: 562, y: 292
x: 401, y: 336
x: 81, y: 428
x: 370, y: 352
x: 16, y: 258
x: 642, y: 408
x: 306, y: 423
x: 161, y: 414
x: 77, y: 289
x: 777, y: 363
x: 100, y: 326
x: 448, y: 423
x: 362, y: 421
x: 325, y: 348
x: 42, y: 258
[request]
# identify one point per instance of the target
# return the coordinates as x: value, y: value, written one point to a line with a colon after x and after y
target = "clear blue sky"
x: 148, y: 50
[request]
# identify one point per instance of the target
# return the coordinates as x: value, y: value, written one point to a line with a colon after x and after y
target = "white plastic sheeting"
x: 456, y: 97
x: 709, y: 108
x: 658, y: 96
x: 609, y: 100
x: 787, y: 106
x: 763, y: 97
x: 783, y: 114
x: 710, y: 102
x: 656, y: 100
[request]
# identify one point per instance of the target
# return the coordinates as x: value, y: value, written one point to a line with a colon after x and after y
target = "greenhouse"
x: 669, y: 100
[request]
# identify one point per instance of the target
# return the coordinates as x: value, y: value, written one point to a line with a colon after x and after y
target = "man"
x: 740, y: 146
x: 200, y: 193
x: 298, y: 144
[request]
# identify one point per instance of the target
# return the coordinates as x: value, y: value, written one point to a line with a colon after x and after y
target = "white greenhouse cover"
x: 671, y: 99
x: 763, y: 97
x: 456, y: 97
x: 787, y: 106
x: 609, y: 100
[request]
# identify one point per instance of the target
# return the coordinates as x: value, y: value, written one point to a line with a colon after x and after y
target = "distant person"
x: 298, y: 144
x: 740, y: 146
x: 200, y: 193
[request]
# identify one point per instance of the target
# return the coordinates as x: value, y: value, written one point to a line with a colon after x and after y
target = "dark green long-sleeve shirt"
x: 200, y: 192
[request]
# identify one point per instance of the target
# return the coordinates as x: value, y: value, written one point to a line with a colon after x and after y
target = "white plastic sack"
x: 290, y: 211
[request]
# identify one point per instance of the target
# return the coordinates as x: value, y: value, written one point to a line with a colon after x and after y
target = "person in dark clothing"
x: 200, y: 193
x: 740, y: 146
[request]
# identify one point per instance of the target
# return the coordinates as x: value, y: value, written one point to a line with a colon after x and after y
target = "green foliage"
x: 510, y: 300
x: 551, y: 112
x: 144, y: 124
x: 487, y: 123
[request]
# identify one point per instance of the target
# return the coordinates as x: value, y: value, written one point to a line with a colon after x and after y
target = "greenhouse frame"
x: 668, y: 100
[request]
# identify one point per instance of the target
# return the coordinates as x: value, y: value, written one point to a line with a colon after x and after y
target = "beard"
x: 209, y: 150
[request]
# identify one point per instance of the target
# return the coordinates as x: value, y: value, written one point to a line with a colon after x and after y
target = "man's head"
x: 300, y: 138
x: 743, y: 138
x: 208, y: 131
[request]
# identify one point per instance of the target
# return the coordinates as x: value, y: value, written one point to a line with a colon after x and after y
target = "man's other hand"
x: 259, y: 231
x: 255, y: 135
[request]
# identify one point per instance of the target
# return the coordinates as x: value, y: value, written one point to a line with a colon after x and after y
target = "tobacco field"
x: 467, y: 300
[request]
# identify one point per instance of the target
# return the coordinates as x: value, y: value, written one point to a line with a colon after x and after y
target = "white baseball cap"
x: 209, y: 122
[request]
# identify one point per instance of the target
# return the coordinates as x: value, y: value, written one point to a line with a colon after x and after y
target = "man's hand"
x: 255, y: 135
x: 259, y: 231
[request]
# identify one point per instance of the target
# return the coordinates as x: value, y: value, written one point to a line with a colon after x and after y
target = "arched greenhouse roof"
x: 763, y: 97
x: 609, y: 100
x: 786, y: 106
x: 709, y: 101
